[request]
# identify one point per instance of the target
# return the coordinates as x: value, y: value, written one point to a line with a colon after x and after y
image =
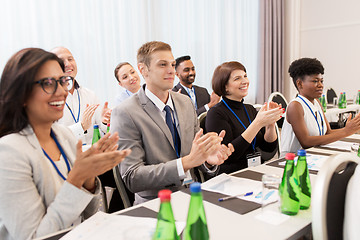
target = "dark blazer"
x: 202, y: 96
x: 152, y: 164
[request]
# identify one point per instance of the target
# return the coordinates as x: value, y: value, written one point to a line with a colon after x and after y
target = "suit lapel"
x: 153, y: 112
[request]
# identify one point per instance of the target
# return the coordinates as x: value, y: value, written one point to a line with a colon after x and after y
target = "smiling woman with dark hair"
x: 47, y: 182
x: 246, y: 129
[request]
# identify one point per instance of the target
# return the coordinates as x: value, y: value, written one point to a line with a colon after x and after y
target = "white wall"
x: 330, y: 31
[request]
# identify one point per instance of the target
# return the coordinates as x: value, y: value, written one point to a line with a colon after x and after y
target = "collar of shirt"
x: 192, y: 90
x: 158, y: 103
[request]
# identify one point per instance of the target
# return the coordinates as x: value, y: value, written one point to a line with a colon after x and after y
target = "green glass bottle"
x: 358, y: 98
x: 108, y: 128
x: 196, y: 224
x: 340, y: 102
x: 304, y: 180
x: 289, y: 188
x: 344, y: 100
x: 165, y: 227
x: 96, y: 134
x: 323, y: 103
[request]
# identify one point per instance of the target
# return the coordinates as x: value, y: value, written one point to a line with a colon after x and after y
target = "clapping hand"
x: 87, y: 116
x: 100, y: 158
x: 269, y: 114
x: 106, y: 114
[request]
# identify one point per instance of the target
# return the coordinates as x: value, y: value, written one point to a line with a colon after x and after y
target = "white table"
x: 332, y: 114
x: 226, y: 224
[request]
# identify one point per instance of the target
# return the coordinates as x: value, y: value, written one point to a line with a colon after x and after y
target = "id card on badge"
x: 253, y: 159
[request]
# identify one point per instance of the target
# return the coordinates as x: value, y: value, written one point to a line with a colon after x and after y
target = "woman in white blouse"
x: 305, y: 124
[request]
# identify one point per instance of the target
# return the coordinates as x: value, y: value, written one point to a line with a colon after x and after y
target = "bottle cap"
x: 96, y: 126
x: 164, y: 195
x: 301, y: 152
x: 108, y: 125
x: 290, y: 156
x: 195, y: 187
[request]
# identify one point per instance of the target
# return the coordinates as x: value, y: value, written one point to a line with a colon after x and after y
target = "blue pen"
x: 239, y: 195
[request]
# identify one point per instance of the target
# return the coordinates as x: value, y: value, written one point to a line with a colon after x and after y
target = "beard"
x: 189, y: 81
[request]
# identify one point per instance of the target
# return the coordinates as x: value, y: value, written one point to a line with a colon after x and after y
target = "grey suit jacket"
x: 34, y: 199
x: 152, y: 164
x: 202, y: 96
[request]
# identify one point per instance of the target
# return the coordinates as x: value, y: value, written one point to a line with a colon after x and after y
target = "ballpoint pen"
x: 239, y: 195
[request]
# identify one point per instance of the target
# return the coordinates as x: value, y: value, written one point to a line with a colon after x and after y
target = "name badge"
x: 254, y: 159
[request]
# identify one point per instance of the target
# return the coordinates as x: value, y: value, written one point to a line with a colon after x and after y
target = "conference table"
x: 334, y: 114
x: 237, y: 218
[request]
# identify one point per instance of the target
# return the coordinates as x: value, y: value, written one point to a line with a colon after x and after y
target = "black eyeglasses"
x: 49, y: 85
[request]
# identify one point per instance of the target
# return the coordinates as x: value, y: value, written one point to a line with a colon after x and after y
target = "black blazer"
x: 202, y: 96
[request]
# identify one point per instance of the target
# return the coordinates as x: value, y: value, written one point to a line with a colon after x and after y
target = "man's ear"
x: 143, y: 69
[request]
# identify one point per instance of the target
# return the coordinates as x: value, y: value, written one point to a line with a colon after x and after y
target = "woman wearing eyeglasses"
x: 305, y: 124
x: 46, y: 182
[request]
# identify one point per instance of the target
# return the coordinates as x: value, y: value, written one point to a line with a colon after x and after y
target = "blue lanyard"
x: 62, y: 153
x: 188, y: 91
x: 127, y: 92
x: 321, y: 132
x: 72, y: 114
x: 254, y: 141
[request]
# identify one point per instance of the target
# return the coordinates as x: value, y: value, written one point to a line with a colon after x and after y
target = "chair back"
x: 202, y: 119
x: 280, y: 99
x: 328, y: 197
x: 126, y: 196
x: 330, y: 95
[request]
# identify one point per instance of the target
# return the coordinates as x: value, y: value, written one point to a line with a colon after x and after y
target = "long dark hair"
x: 16, y: 85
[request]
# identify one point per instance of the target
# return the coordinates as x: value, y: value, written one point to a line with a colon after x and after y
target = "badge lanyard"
x: 321, y: 131
x: 62, y: 153
x: 127, y: 92
x: 72, y: 114
x: 188, y: 91
x: 254, y: 141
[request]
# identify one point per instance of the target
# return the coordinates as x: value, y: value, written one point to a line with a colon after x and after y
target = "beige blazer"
x: 152, y: 164
x: 34, y: 199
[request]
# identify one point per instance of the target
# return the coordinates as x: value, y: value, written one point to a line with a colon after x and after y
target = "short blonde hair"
x: 145, y: 51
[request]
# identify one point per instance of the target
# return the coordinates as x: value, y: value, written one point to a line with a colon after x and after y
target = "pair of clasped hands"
x: 269, y: 114
x: 98, y: 159
x: 89, y: 112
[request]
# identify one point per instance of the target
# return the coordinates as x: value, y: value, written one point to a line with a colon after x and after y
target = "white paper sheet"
x: 339, y: 145
x: 314, y: 161
x: 231, y: 186
x: 116, y: 227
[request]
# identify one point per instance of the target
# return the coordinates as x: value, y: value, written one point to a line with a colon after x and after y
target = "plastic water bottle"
x: 196, y: 225
x: 289, y: 188
x: 304, y: 180
x: 165, y: 227
x: 96, y: 134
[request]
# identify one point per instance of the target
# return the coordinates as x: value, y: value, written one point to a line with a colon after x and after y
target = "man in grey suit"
x: 162, y: 158
x: 185, y: 71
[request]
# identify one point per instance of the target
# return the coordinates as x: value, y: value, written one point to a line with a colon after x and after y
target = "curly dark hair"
x: 304, y: 67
